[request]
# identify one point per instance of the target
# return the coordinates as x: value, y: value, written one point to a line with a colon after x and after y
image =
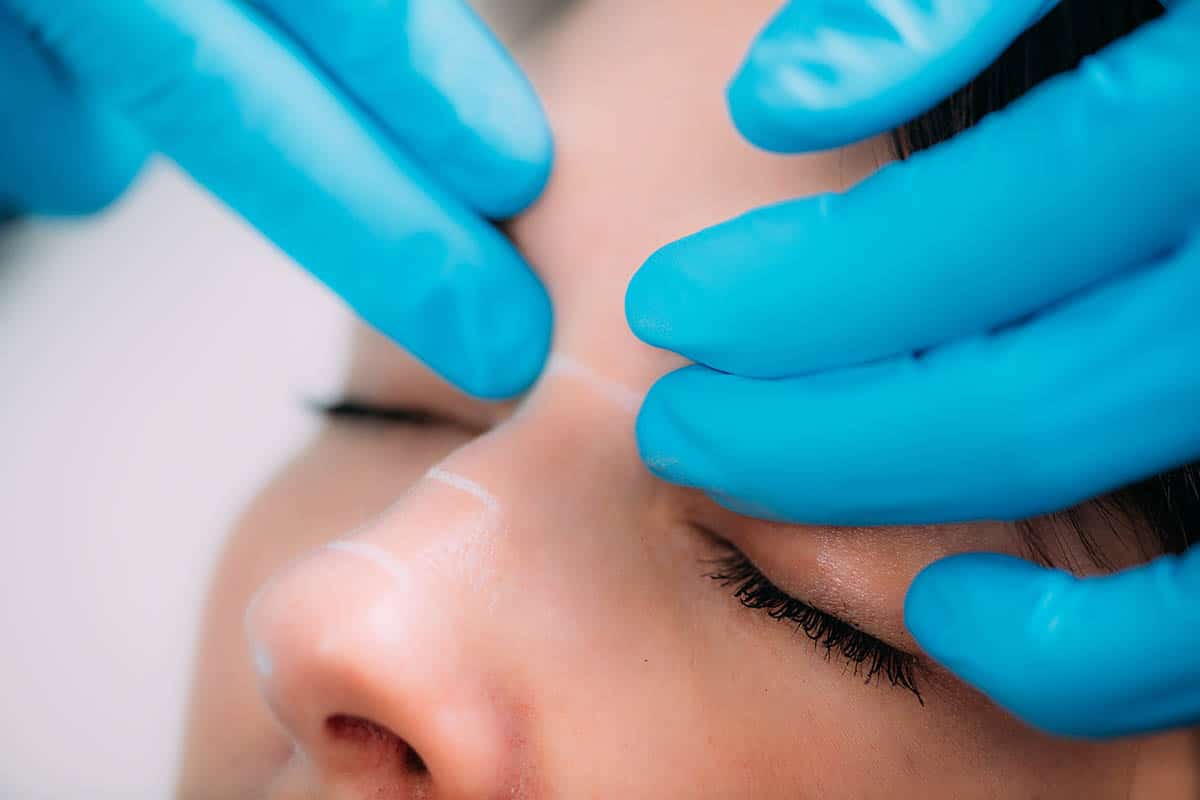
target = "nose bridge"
x: 547, y: 485
x: 499, y: 529
x: 520, y: 527
x: 425, y: 621
x: 445, y: 530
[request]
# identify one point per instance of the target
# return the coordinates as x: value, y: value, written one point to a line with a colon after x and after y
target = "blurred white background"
x: 154, y: 360
x: 154, y: 363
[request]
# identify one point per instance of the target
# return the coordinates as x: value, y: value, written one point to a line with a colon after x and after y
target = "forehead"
x: 646, y: 154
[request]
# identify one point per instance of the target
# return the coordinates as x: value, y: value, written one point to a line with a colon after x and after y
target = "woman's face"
x: 487, y: 601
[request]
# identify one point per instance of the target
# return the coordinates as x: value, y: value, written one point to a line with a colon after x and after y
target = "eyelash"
x: 868, y: 656
x: 356, y: 411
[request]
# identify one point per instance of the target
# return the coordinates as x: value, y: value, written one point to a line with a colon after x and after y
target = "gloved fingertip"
x: 654, y: 298
x: 107, y: 178
x: 657, y: 435
x: 510, y: 354
x: 965, y: 610
x: 790, y: 96
x: 754, y: 100
x: 69, y: 157
x: 523, y: 162
x: 1005, y: 626
x: 665, y: 436
x: 483, y: 323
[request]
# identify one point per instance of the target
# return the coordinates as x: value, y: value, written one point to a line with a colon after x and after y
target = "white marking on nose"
x: 618, y: 393
x: 463, y: 484
x: 263, y: 662
x: 376, y: 555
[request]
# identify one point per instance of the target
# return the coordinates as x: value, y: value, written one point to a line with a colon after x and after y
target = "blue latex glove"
x: 1004, y: 325
x: 369, y: 139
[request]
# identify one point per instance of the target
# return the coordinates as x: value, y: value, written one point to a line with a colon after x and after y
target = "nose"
x: 364, y: 662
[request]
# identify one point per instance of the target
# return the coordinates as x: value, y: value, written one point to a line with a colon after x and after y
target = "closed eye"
x: 869, y: 657
x: 351, y: 410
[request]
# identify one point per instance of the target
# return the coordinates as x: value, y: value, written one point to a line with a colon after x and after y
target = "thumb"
x: 1092, y: 657
x: 826, y: 74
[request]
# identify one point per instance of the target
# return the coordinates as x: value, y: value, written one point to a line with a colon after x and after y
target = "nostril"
x: 383, y: 747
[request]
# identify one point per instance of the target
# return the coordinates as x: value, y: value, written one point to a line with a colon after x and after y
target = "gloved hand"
x: 1004, y: 325
x: 367, y: 139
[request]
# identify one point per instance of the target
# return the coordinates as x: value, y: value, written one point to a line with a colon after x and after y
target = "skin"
x: 561, y: 638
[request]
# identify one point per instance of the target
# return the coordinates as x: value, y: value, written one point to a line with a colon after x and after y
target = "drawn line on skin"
x: 263, y: 663
x: 376, y: 555
x: 463, y: 484
x: 619, y: 393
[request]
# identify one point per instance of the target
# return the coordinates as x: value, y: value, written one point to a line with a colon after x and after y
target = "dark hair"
x: 1167, y: 504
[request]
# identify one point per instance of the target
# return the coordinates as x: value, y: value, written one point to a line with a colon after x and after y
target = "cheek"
x: 635, y: 675
x: 760, y: 712
x: 711, y: 705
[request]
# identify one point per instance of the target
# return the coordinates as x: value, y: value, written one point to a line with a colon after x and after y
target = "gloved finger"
x: 1025, y: 635
x: 59, y: 154
x: 438, y: 81
x: 826, y: 74
x: 250, y: 118
x: 1091, y: 174
x: 1035, y: 418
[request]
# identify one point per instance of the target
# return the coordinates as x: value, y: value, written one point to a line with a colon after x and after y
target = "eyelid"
x: 754, y: 590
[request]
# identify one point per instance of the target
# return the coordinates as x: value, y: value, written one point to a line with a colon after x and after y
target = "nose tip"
x: 359, y: 666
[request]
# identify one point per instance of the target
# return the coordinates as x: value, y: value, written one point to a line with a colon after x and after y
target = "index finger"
x: 1093, y: 657
x: 441, y: 84
x: 248, y: 115
x: 1090, y: 175
x: 825, y: 74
